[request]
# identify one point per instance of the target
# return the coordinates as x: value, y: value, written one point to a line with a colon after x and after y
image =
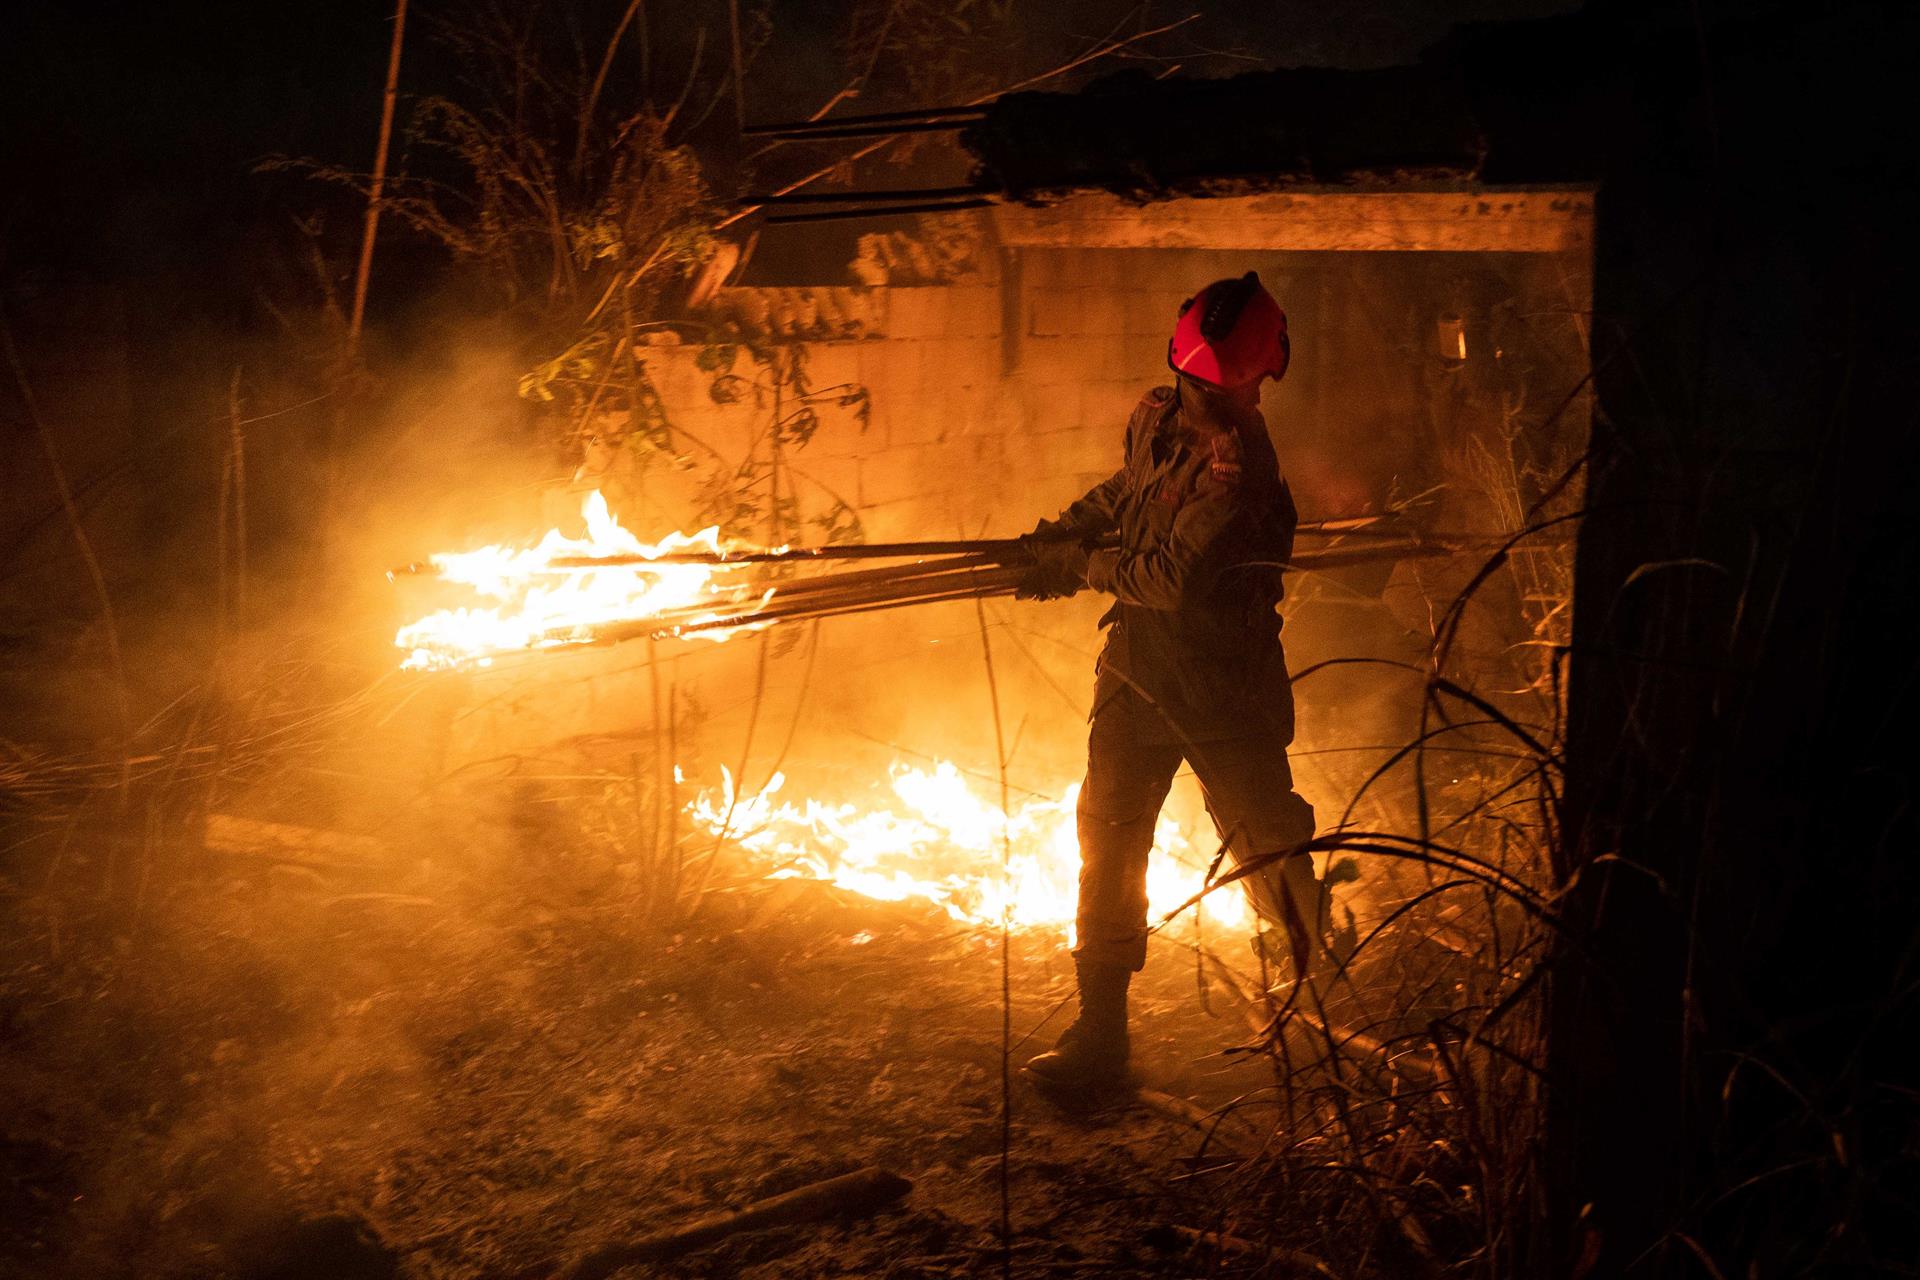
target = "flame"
x: 539, y: 606
x: 942, y: 842
x: 944, y: 845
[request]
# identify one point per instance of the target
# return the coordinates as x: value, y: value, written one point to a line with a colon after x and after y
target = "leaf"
x: 1655, y: 566
x: 799, y: 427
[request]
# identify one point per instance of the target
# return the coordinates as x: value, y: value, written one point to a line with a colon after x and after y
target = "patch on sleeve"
x: 1224, y: 463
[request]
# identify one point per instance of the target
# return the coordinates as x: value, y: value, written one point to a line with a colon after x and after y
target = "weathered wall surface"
x: 991, y: 403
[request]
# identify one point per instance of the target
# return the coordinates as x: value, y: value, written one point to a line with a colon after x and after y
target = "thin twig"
x: 364, y: 274
x: 1006, y: 961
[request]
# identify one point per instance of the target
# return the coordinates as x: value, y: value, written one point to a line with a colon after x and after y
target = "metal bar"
x: 861, y: 197
x: 989, y: 547
x: 829, y: 592
x: 787, y: 219
x: 842, y: 599
x: 801, y: 612
x: 1309, y: 561
x: 869, y: 130
x: 877, y: 117
x: 899, y: 575
x: 831, y: 596
x: 845, y: 611
x: 680, y: 621
x: 839, y: 551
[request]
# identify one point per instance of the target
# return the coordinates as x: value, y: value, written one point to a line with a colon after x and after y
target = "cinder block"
x: 841, y: 434
x: 879, y: 365
x: 1082, y: 451
x: 899, y: 521
x: 945, y: 365
x: 917, y: 312
x: 1046, y: 361
x: 920, y: 421
x: 1104, y: 311
x: 1054, y: 312
x: 1099, y: 268
x: 1106, y: 406
x: 893, y: 474
x: 984, y: 454
x: 1152, y: 312
x: 827, y: 482
x: 1044, y: 268
x: 973, y: 311
x: 829, y: 363
x: 1050, y: 407
x: 1005, y: 410
x: 1134, y: 358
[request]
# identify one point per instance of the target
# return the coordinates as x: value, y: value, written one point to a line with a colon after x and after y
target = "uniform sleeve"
x: 1095, y: 514
x: 1184, y: 566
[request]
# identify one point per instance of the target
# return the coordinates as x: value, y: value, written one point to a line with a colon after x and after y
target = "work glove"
x: 1055, y: 568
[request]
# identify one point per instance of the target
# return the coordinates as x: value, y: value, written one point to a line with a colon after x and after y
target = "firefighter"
x: 1192, y: 668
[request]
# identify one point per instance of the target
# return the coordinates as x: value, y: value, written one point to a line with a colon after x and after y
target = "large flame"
x: 944, y: 844
x: 538, y: 606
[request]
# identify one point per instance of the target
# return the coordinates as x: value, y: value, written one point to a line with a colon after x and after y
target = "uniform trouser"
x: 1132, y: 757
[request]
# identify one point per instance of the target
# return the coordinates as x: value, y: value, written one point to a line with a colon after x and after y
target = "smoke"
x: 449, y: 876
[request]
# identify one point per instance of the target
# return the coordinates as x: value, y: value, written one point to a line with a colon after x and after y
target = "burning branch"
x: 608, y: 587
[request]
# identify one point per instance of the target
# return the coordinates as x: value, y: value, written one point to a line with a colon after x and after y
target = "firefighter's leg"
x: 1127, y: 780
x: 1249, y: 792
x: 1130, y: 767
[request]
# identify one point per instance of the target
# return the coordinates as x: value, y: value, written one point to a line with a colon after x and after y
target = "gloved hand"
x: 1055, y: 568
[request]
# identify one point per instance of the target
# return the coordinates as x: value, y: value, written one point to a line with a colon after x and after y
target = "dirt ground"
x: 275, y: 1074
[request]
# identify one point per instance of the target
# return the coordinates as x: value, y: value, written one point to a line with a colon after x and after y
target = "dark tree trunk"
x: 1739, y: 965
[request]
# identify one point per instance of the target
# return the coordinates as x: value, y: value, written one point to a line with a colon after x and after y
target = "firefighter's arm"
x: 1055, y: 553
x: 1182, y: 568
x: 1094, y: 515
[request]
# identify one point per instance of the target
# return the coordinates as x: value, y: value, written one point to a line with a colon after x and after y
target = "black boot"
x: 1091, y: 1056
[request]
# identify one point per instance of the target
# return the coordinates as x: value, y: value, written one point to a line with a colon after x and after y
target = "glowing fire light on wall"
x: 538, y: 606
x: 943, y: 845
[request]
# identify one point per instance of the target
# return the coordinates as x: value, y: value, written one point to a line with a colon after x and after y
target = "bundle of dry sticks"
x: 932, y: 572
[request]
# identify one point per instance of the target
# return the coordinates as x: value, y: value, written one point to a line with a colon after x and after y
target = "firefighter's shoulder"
x: 1222, y: 451
x: 1152, y: 407
x: 1147, y: 415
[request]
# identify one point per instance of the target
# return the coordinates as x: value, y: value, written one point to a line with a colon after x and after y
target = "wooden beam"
x: 1503, y: 221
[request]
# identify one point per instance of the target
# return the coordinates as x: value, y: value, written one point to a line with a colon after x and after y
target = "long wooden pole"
x: 863, y: 1191
x: 378, y: 187
x: 739, y: 68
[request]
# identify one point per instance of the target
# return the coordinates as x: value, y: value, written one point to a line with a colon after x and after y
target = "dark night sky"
x: 130, y: 129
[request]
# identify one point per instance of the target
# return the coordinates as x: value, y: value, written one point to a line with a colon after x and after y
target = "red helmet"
x: 1230, y: 333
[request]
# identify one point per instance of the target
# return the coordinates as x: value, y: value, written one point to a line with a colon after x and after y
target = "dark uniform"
x: 1192, y: 668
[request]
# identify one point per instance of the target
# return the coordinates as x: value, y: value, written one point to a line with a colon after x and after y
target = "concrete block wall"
x: 991, y: 405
